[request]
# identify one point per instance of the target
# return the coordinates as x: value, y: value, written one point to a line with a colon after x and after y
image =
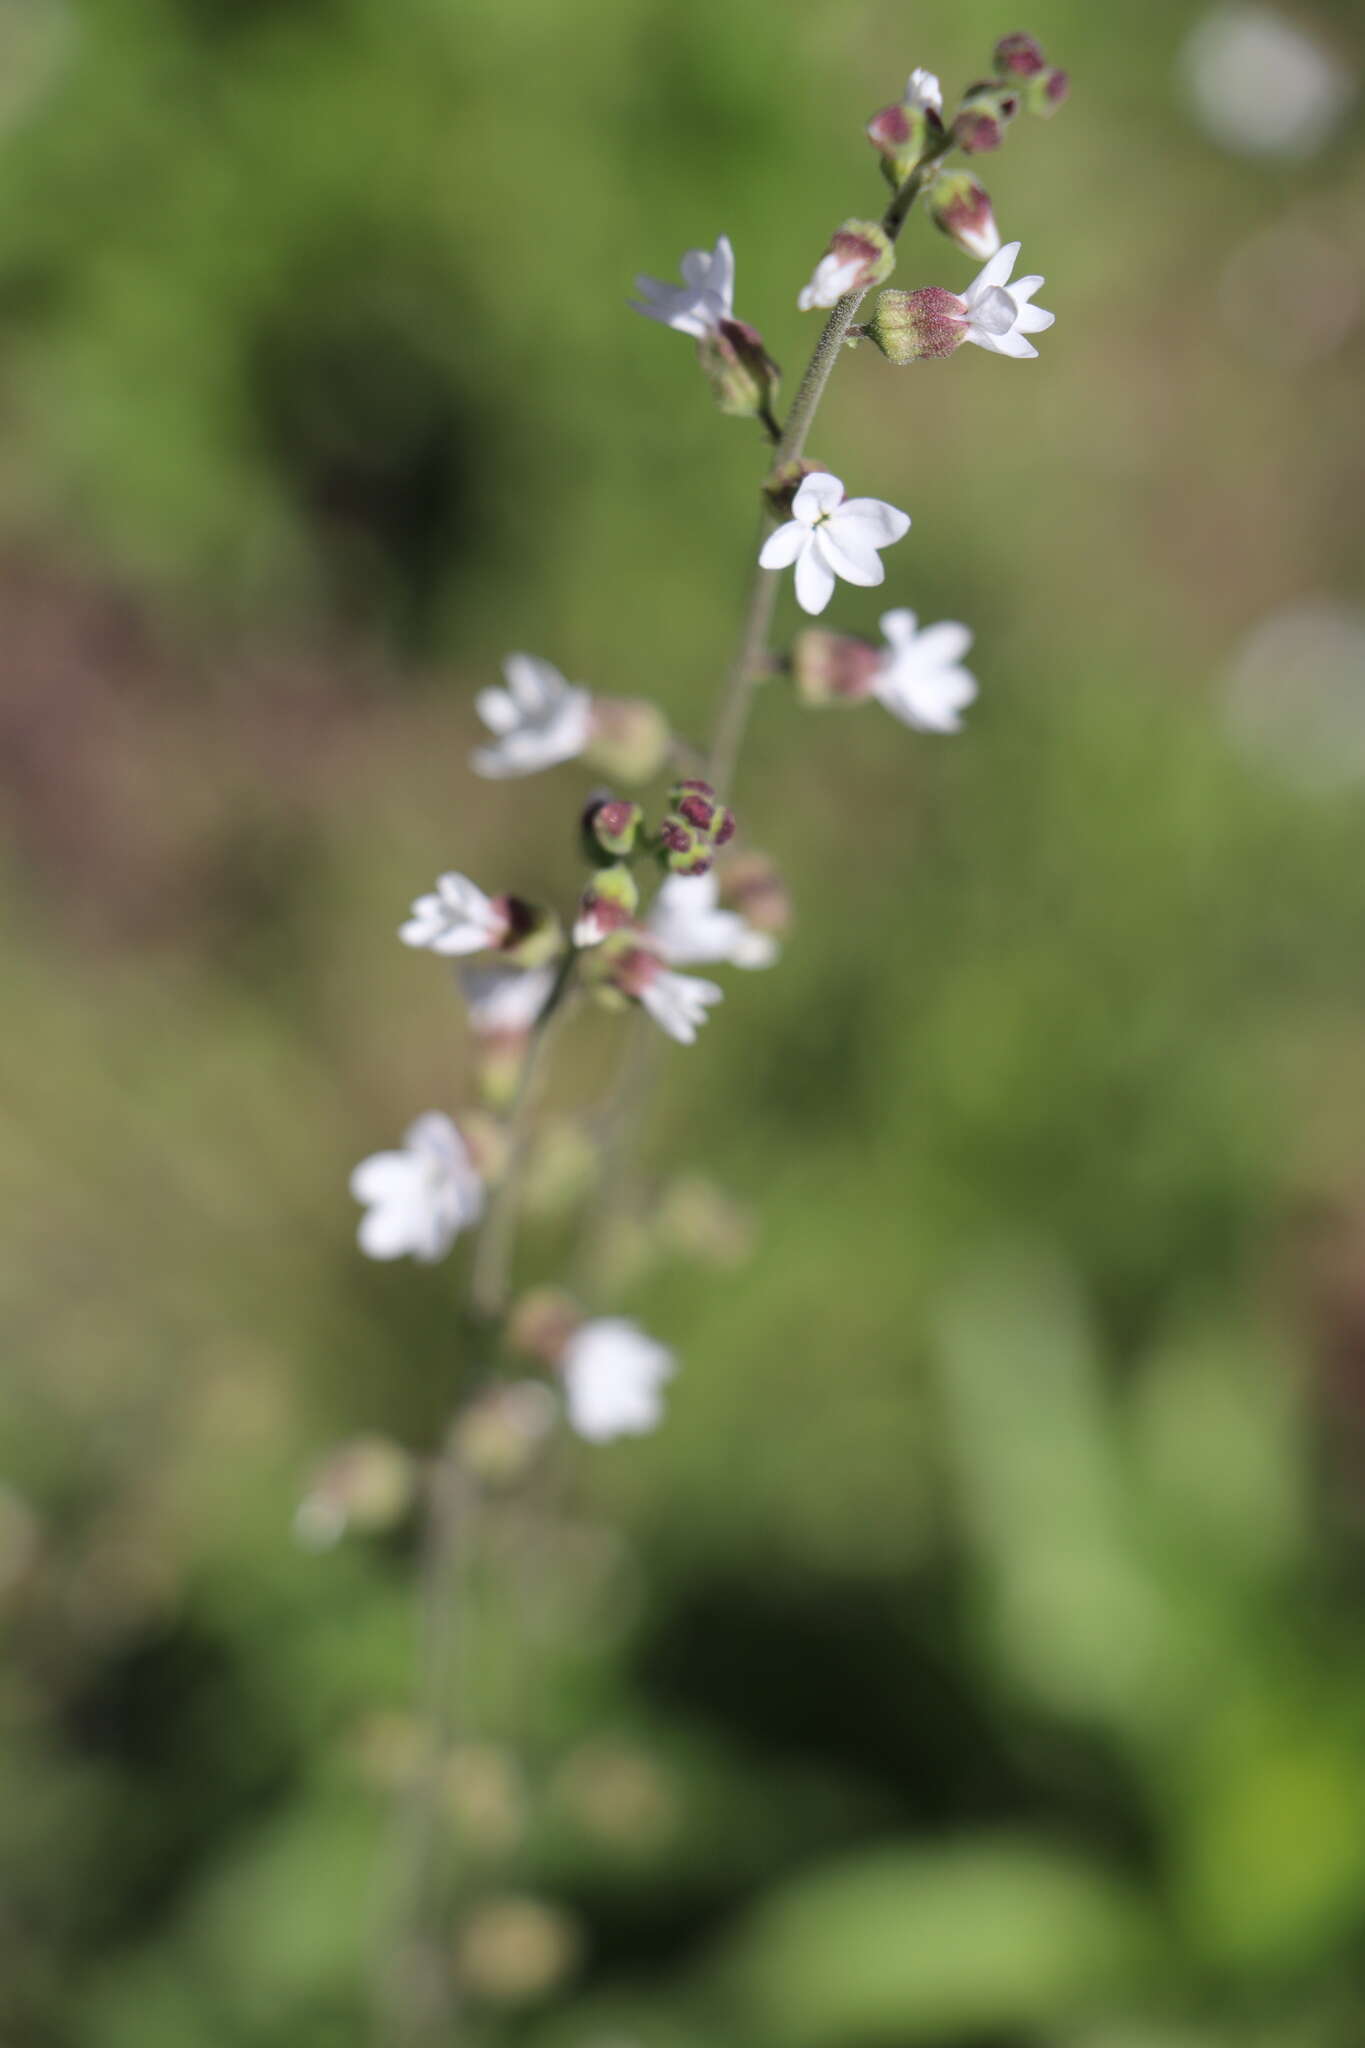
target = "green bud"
x: 610, y: 900
x: 741, y: 373
x: 909, y: 326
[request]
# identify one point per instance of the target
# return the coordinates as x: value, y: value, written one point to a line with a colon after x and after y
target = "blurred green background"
x: 976, y: 1659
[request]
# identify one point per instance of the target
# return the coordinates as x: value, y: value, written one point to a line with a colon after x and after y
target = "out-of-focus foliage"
x: 975, y: 1659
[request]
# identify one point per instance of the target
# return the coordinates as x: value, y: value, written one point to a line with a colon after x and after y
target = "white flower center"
x: 996, y: 312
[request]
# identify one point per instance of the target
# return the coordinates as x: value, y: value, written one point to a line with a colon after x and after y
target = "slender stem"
x: 751, y: 659
x: 491, y: 1272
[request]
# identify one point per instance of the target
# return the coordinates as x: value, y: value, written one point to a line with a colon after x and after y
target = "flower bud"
x: 516, y: 1950
x: 610, y: 900
x: 783, y: 484
x: 832, y: 668
x: 860, y: 254
x: 499, y: 1436
x: 962, y: 208
x: 1045, y: 93
x: 752, y: 884
x: 986, y: 112
x: 533, y: 937
x: 697, y: 824
x: 630, y: 739
x: 1018, y: 56
x: 541, y: 1324
x: 908, y: 326
x: 611, y: 826
x: 901, y: 134
x: 366, y: 1486
x: 741, y: 373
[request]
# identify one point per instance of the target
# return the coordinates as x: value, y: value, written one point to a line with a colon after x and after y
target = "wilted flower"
x: 613, y: 1379
x: 704, y: 299
x: 920, y: 678
x: 693, y: 930
x: 829, y: 535
x: 537, y: 721
x: 417, y: 1201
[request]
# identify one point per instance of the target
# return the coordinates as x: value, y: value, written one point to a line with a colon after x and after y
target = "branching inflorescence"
x: 669, y: 889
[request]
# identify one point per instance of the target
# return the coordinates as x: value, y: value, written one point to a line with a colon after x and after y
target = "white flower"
x: 537, y: 721
x: 920, y: 678
x: 613, y: 1379
x: 998, y: 313
x: 833, y: 276
x: 1261, y: 84
x: 923, y: 90
x: 456, y: 918
x: 678, y: 1002
x: 705, y: 297
x: 829, y: 535
x: 693, y: 930
x: 418, y: 1200
x: 504, y: 1002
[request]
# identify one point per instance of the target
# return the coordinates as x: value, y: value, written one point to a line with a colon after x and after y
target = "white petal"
x: 391, y: 1230
x: 381, y: 1177
x: 922, y: 89
x: 881, y: 524
x: 1034, y: 320
x: 995, y: 273
x: 754, y: 949
x: 781, y: 548
x: 849, y: 555
x: 814, y: 581
x: 534, y: 683
x: 722, y: 281
x: 497, y: 710
x: 1011, y: 344
x: 897, y: 626
x: 818, y: 495
x: 944, y: 643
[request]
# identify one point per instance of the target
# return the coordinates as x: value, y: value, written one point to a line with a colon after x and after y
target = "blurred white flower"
x: 504, y: 1002
x: 613, y: 1379
x: 923, y: 90
x: 693, y: 930
x: 920, y: 678
x: 705, y: 297
x: 998, y: 313
x: 829, y: 535
x: 1296, y: 693
x: 456, y: 918
x: 1262, y: 85
x: 417, y: 1201
x: 678, y: 1003
x: 538, y: 721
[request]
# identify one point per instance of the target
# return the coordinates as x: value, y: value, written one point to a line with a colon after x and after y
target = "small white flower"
x: 613, y: 1379
x: 998, y: 313
x: 417, y: 1201
x: 924, y: 91
x: 829, y: 535
x: 504, y: 1002
x: 538, y: 721
x: 678, y: 1002
x: 920, y: 678
x: 705, y: 297
x: 694, y: 931
x: 456, y: 918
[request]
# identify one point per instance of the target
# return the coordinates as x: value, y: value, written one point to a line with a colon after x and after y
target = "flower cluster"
x: 667, y: 889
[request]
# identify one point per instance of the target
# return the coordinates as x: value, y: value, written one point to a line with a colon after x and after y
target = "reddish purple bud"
x: 1018, y: 56
x: 901, y: 135
x: 610, y: 828
x: 910, y: 326
x: 724, y: 830
x: 1045, y: 93
x: 962, y: 208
